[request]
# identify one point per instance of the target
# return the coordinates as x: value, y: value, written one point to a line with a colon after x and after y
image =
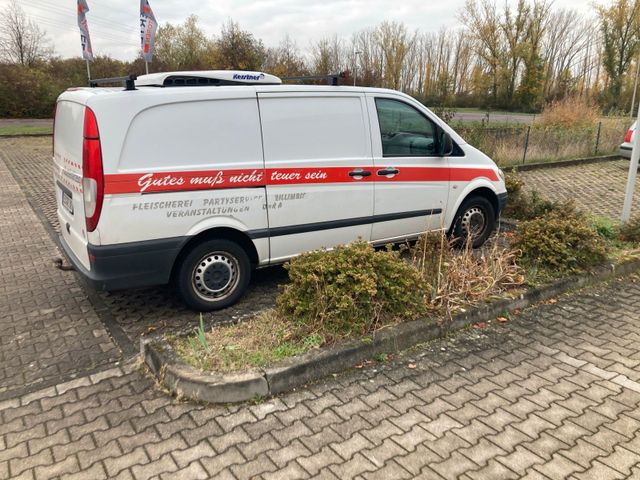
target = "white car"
x: 627, y: 145
x: 199, y: 177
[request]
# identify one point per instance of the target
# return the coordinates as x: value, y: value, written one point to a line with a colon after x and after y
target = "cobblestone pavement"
x: 48, y: 328
x: 553, y: 394
x: 597, y: 188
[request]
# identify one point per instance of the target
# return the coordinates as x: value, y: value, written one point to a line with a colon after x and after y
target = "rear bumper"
x: 129, y: 265
x: 502, y: 202
x: 625, y: 151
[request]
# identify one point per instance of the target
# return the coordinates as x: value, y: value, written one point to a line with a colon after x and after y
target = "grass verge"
x: 25, y: 130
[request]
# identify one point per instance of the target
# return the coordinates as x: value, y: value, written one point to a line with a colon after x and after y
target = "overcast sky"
x: 114, y: 23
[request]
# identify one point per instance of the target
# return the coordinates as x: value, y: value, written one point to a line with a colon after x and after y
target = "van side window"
x: 405, y: 131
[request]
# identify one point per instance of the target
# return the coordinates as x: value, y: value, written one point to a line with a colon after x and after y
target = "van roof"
x: 206, y: 78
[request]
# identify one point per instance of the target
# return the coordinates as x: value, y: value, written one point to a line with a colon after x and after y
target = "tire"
x: 477, y: 217
x: 213, y: 275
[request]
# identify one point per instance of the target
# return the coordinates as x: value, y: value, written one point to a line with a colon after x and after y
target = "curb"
x: 27, y: 135
x: 561, y: 163
x: 185, y: 380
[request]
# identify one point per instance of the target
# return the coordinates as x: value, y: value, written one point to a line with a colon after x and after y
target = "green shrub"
x: 559, y: 243
x: 604, y: 226
x: 352, y: 289
x: 630, y: 231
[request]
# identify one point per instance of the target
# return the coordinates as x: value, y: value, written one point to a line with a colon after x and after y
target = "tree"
x: 237, y: 49
x: 328, y: 56
x: 620, y: 27
x: 285, y: 60
x: 482, y: 19
x: 395, y: 43
x: 183, y: 47
x: 21, y: 40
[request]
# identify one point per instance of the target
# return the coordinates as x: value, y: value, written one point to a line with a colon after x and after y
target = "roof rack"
x: 128, y: 82
x: 330, y: 79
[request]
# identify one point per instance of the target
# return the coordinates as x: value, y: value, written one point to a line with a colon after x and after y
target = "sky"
x: 114, y: 27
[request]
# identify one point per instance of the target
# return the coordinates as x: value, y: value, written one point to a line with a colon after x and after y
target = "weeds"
x: 630, y: 231
x: 462, y: 277
x: 257, y: 342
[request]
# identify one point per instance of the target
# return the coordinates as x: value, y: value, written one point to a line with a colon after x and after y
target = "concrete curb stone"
x: 561, y: 163
x: 185, y: 380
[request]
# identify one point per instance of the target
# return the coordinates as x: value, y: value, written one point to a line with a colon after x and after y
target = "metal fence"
x: 522, y: 144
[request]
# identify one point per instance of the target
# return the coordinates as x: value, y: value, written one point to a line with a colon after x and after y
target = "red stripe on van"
x: 223, y: 179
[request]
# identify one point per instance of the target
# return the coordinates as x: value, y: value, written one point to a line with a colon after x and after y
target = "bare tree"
x: 21, y: 40
x: 329, y: 56
x: 285, y: 60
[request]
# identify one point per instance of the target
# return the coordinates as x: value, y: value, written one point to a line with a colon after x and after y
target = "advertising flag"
x: 148, y: 27
x: 85, y: 40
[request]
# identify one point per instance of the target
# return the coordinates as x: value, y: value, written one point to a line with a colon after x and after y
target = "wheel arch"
x: 216, y: 233
x: 480, y: 191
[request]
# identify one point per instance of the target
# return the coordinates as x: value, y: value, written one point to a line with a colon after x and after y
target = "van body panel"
x: 312, y: 143
x: 67, y: 170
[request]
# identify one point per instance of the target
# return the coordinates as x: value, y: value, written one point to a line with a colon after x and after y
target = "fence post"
x: 598, y: 138
x: 526, y: 144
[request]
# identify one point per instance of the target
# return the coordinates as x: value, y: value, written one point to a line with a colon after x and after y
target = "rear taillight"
x: 627, y: 139
x: 92, y: 175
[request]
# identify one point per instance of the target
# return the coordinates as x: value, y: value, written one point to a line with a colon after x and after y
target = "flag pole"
x: 88, y: 71
x: 146, y: 66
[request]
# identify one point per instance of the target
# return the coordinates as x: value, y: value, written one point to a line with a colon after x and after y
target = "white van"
x: 199, y: 177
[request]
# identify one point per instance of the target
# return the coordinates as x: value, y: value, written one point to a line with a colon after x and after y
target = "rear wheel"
x: 213, y: 275
x: 476, y: 219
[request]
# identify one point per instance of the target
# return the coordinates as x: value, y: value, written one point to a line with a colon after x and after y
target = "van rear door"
x: 67, y: 158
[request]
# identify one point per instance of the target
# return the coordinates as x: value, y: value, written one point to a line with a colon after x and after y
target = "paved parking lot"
x: 553, y: 394
x: 597, y: 188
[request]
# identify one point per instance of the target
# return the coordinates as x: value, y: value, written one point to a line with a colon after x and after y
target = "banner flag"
x: 85, y: 39
x: 148, y: 27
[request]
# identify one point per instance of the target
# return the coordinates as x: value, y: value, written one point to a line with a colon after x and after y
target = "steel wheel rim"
x: 474, y: 223
x: 215, y: 276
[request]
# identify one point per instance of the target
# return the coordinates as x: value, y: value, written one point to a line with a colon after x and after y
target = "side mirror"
x: 445, y: 145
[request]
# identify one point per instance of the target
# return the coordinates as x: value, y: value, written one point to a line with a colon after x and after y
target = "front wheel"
x: 474, y: 222
x: 213, y: 275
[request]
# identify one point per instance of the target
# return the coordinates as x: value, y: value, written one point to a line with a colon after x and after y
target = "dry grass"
x: 571, y: 112
x: 260, y: 341
x: 464, y: 277
x: 506, y: 146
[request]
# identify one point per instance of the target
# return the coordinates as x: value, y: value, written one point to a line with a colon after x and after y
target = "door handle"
x: 388, y: 171
x: 358, y: 172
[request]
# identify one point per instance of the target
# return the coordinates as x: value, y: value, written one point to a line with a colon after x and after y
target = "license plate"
x: 67, y: 202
